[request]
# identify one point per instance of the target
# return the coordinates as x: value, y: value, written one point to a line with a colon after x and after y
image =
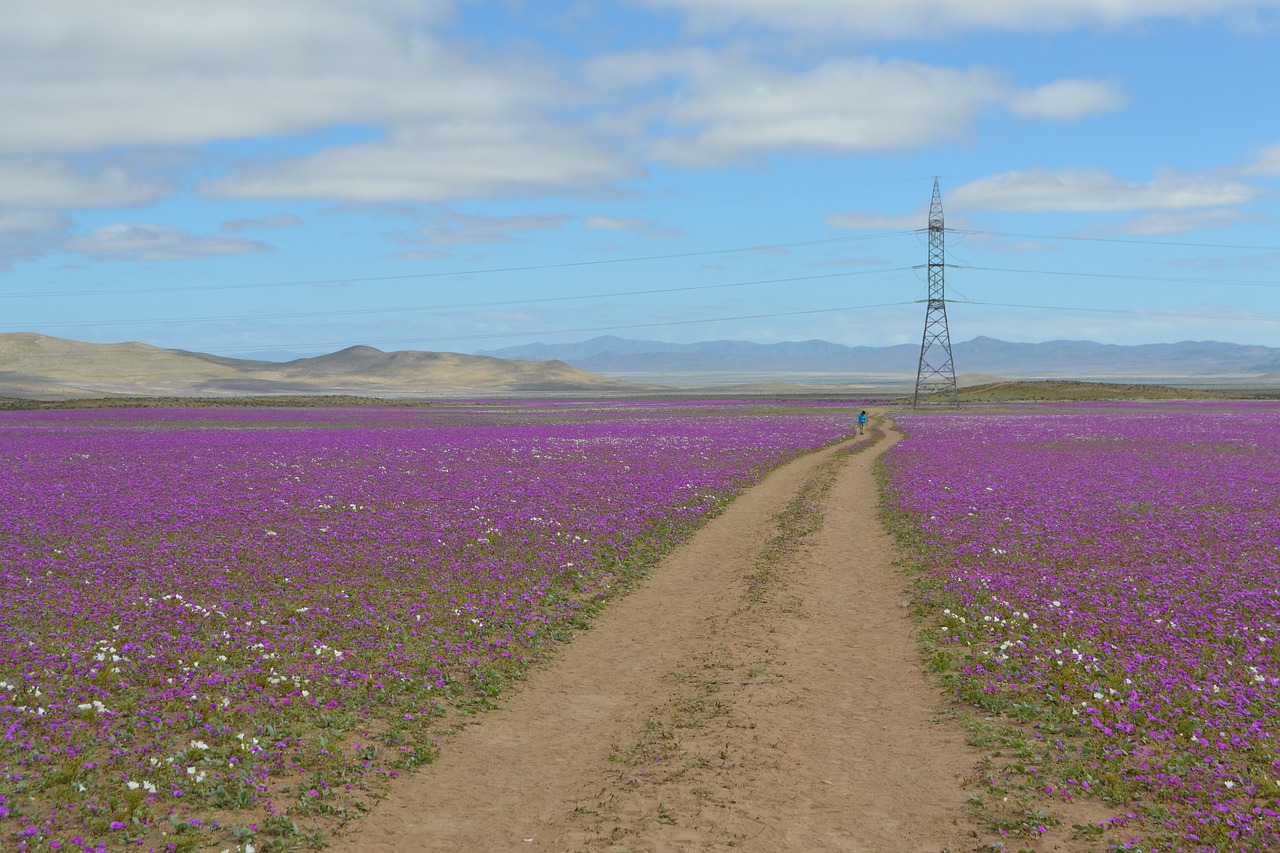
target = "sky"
x: 281, y: 179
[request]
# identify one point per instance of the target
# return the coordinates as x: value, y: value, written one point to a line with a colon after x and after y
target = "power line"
x: 453, y: 306
x: 615, y: 214
x: 676, y: 255
x: 524, y: 334
x: 694, y: 288
x: 741, y: 199
x: 1177, y: 243
x: 1199, y: 315
x: 1159, y: 278
x: 459, y: 273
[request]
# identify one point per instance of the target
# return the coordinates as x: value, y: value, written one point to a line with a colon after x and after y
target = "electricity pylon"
x: 937, y: 370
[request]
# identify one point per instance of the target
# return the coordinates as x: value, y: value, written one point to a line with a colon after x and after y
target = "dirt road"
x: 760, y: 690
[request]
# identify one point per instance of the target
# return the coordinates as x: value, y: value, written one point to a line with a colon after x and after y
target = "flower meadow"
x: 227, y: 629
x: 1106, y: 579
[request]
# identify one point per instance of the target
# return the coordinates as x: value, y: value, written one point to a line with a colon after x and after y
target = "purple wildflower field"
x: 1106, y: 578
x: 229, y: 628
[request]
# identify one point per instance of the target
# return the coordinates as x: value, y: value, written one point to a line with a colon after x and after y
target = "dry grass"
x: 1064, y: 390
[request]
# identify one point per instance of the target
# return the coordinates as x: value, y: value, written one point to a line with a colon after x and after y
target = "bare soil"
x: 761, y: 690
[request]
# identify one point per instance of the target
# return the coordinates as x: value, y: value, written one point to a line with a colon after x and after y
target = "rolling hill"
x: 46, y: 368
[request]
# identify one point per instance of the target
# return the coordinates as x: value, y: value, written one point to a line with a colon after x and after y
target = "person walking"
x: 862, y: 422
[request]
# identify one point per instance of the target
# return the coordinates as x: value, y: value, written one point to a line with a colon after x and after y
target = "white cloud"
x: 459, y: 229
x: 27, y: 234
x: 1097, y: 191
x: 449, y: 122
x: 1163, y: 222
x: 913, y: 18
x: 157, y: 243
x: 15, y: 224
x: 876, y: 222
x: 1266, y: 163
x: 437, y: 162
x: 44, y: 183
x: 85, y: 75
x: 274, y: 220
x: 732, y: 110
x: 1065, y: 100
x: 618, y: 223
x: 634, y: 224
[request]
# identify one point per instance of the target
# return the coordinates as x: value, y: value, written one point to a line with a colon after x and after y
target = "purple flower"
x: 173, y: 580
x: 1112, y: 573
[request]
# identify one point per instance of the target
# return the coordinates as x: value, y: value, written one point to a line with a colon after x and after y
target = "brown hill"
x: 40, y: 367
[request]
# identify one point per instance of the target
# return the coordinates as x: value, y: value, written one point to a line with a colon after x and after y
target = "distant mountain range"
x: 979, y: 358
x: 45, y: 368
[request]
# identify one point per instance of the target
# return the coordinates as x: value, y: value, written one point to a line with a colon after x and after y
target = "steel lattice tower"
x: 937, y: 371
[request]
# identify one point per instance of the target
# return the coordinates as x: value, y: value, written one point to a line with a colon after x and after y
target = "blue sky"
x: 298, y: 176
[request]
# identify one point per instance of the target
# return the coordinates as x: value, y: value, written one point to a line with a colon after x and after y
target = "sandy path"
x: 749, y: 694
